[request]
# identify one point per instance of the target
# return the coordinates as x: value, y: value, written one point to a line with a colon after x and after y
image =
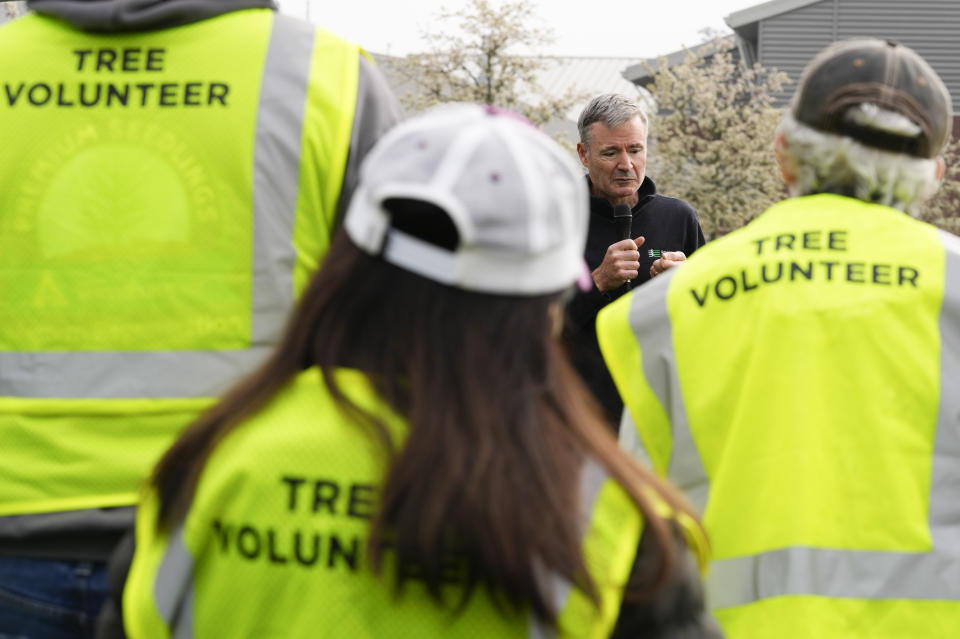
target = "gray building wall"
x: 931, y: 27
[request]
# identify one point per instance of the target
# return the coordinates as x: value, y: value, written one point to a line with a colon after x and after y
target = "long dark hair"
x: 499, y: 424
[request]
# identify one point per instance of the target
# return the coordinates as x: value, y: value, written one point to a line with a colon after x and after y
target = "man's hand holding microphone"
x: 621, y: 263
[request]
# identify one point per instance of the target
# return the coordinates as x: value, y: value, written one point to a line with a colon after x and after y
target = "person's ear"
x: 582, y: 152
x: 783, y: 162
x: 941, y: 168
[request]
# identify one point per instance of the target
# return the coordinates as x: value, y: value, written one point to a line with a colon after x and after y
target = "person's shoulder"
x: 303, y: 423
x: 650, y: 190
x: 674, y: 204
x: 673, y: 208
x: 300, y: 432
x: 296, y: 418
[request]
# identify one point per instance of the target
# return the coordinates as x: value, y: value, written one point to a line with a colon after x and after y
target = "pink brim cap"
x: 585, y: 279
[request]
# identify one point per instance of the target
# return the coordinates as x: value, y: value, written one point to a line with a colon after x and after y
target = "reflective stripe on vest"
x: 651, y: 350
x: 180, y: 583
x: 249, y: 174
x: 920, y: 572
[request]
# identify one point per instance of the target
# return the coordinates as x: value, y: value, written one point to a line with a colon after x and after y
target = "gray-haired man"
x: 664, y: 230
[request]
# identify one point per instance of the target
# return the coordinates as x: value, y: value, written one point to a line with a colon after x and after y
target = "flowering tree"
x: 943, y: 210
x: 12, y: 10
x: 483, y: 54
x: 711, y: 140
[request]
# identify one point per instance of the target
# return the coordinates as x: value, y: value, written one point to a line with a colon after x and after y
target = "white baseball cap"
x: 517, y: 199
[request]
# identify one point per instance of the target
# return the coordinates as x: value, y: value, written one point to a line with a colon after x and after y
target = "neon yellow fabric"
x: 838, y: 498
x: 805, y: 617
x: 141, y: 618
x: 797, y: 453
x: 278, y: 530
x: 610, y: 547
x: 47, y: 467
x: 128, y: 225
x: 623, y: 359
x: 328, y: 123
x: 123, y: 233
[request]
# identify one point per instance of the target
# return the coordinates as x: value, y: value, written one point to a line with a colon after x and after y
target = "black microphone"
x: 623, y: 217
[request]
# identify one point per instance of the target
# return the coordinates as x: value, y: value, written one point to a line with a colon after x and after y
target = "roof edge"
x: 763, y: 11
x: 638, y: 71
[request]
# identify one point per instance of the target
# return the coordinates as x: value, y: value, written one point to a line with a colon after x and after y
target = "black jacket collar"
x: 600, y: 205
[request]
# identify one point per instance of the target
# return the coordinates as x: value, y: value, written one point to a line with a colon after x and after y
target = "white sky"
x: 620, y: 28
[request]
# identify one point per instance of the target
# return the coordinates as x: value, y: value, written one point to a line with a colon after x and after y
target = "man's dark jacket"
x: 667, y: 224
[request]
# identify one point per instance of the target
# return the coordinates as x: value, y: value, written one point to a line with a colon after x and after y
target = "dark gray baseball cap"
x: 851, y: 74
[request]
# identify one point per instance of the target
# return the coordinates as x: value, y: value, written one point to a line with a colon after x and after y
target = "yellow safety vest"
x: 275, y: 541
x: 800, y: 380
x: 165, y: 194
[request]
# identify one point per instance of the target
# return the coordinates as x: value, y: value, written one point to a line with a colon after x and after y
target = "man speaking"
x: 634, y: 234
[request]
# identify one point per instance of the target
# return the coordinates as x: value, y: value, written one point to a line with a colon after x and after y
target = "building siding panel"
x: 931, y: 27
x: 789, y: 40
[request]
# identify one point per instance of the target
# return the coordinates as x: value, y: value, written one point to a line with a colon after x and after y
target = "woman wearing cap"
x: 418, y: 459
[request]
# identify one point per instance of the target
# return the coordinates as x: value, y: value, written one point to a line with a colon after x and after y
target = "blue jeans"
x: 50, y: 599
